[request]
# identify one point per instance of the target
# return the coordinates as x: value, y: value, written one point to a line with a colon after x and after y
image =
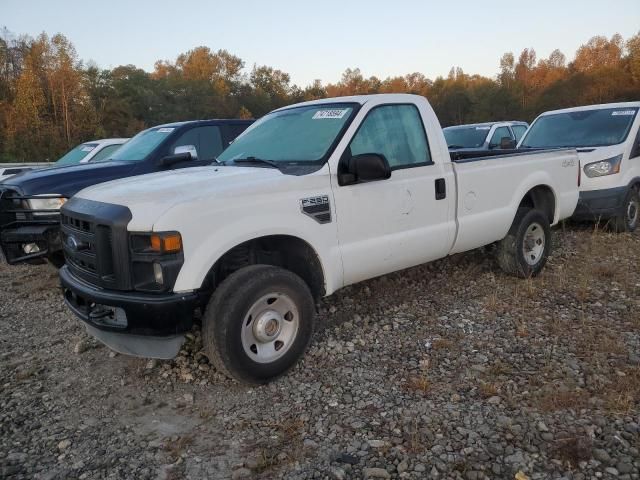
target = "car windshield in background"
x: 465, y: 137
x: 586, y: 128
x: 295, y: 135
x: 137, y: 149
x: 75, y: 156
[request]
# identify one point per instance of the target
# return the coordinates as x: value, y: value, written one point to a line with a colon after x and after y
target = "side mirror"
x: 182, y: 153
x: 175, y: 158
x: 366, y: 167
x: 507, y: 143
x: 187, y: 149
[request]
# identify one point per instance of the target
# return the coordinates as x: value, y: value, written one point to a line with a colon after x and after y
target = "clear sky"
x: 319, y: 40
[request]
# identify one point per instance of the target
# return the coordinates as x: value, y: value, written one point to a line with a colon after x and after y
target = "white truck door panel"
x: 396, y: 223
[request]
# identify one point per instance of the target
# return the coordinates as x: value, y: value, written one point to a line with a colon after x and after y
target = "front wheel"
x: 258, y: 323
x: 525, y: 249
x: 627, y: 221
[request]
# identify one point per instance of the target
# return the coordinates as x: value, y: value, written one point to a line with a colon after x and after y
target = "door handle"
x: 441, y: 189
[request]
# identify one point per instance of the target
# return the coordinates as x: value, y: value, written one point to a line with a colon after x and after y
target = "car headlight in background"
x: 603, y: 167
x: 49, y: 202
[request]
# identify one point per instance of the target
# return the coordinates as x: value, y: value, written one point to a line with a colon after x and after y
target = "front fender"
x: 207, y: 237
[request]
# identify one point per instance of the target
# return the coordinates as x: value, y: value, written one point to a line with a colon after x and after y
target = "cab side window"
x: 395, y: 131
x: 206, y: 140
x: 518, y: 131
x: 498, y: 135
x: 105, y: 153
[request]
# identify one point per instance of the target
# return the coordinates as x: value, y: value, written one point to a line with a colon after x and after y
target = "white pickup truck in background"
x: 311, y: 198
x: 607, y: 138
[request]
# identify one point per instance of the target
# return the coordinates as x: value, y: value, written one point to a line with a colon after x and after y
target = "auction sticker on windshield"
x: 483, y: 128
x: 165, y: 130
x: 87, y: 148
x: 623, y: 112
x: 333, y: 113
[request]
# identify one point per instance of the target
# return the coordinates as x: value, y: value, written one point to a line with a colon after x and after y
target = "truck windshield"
x: 465, y: 137
x: 137, y: 149
x: 585, y: 128
x: 295, y: 135
x: 75, y: 155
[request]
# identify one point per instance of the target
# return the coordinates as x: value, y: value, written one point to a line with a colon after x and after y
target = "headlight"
x: 156, y: 259
x: 50, y: 202
x: 603, y: 167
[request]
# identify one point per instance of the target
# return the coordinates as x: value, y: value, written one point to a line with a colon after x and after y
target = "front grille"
x: 10, y: 206
x: 95, y: 243
x: 15, y: 210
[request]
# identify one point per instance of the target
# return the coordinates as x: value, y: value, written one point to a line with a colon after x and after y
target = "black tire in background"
x: 56, y: 259
x: 228, y: 313
x: 525, y: 249
x: 627, y: 221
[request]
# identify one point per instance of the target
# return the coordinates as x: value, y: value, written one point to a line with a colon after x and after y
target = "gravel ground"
x: 449, y: 370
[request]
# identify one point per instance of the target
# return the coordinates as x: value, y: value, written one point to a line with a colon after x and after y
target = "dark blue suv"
x: 30, y: 202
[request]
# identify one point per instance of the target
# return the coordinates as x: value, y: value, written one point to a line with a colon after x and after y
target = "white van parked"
x: 607, y: 139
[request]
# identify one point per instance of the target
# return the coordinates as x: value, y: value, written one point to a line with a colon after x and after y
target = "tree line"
x: 50, y: 100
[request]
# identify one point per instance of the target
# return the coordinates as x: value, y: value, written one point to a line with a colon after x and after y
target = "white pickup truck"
x: 310, y: 198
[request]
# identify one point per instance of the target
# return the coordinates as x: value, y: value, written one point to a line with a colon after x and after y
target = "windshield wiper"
x: 271, y: 163
x: 455, y: 146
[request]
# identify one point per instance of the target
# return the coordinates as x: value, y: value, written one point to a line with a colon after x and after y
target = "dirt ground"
x: 449, y: 370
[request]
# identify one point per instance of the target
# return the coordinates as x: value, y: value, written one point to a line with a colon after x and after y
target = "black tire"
x: 227, y: 311
x: 627, y: 221
x: 56, y: 259
x: 511, y: 249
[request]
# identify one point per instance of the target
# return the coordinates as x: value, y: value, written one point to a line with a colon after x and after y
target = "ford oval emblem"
x: 72, y: 243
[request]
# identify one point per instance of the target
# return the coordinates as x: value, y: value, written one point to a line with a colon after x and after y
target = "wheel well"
x: 284, y: 251
x: 541, y: 198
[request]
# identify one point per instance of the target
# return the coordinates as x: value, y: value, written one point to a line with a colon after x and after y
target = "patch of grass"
x: 623, y: 395
x: 488, y: 390
x: 573, y: 450
x: 176, y: 448
x: 442, y: 344
x: 284, y: 448
x: 555, y: 399
x: 418, y: 383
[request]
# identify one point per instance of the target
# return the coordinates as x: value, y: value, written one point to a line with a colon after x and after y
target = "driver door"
x: 405, y: 220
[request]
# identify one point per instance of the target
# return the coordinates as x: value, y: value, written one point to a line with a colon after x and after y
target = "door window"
x: 105, y: 153
x: 518, y: 130
x: 395, y: 131
x: 498, y: 135
x: 207, y: 140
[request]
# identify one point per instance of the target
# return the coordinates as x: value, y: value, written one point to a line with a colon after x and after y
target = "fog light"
x: 29, y: 248
x: 157, y: 273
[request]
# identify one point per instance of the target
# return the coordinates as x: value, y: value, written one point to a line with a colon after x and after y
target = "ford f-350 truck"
x: 310, y: 198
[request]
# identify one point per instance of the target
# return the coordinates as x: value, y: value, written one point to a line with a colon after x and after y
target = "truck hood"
x: 149, y: 196
x: 68, y: 180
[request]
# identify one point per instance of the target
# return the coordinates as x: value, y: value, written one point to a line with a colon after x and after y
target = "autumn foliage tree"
x: 50, y: 100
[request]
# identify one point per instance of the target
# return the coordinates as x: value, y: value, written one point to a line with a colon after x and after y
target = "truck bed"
x: 488, y: 198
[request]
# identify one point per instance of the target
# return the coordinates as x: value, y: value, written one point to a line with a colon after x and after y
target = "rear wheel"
x: 627, y: 221
x: 258, y: 323
x: 525, y: 249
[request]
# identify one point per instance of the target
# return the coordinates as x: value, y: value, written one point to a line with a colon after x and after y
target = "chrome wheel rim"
x: 533, y: 244
x: 270, y: 327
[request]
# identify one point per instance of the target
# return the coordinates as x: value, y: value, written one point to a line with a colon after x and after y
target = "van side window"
x: 395, y: 131
x: 207, y: 140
